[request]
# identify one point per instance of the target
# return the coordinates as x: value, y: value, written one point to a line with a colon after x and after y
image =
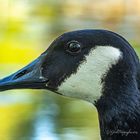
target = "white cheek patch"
x: 86, y: 83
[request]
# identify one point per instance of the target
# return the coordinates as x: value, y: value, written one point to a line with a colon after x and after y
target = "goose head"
x: 78, y: 64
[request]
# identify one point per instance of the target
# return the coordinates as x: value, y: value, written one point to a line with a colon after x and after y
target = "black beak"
x: 29, y: 77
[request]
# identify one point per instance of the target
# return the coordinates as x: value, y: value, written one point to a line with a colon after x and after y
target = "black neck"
x: 119, y: 106
x: 120, y: 121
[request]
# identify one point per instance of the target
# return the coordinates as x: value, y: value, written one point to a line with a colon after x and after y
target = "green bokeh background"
x: 27, y: 27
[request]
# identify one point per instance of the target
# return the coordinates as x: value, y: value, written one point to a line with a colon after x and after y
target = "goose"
x: 98, y: 66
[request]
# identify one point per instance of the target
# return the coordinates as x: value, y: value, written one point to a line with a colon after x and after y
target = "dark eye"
x: 73, y: 47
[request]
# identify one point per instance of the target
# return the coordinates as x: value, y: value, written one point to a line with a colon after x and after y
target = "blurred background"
x: 27, y: 27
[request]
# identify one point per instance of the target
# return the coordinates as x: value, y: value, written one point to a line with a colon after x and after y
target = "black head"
x: 75, y: 64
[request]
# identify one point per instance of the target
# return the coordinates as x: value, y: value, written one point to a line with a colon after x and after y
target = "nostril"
x: 20, y: 74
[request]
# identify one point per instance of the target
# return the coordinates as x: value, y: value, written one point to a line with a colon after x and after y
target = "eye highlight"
x: 73, y: 47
